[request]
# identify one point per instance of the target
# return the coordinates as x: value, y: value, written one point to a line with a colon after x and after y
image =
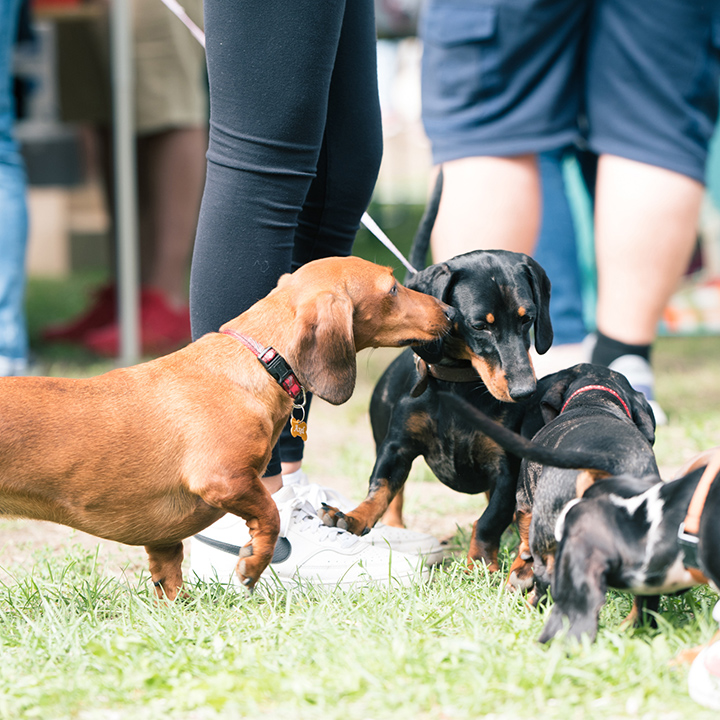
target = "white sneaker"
x: 399, y: 539
x: 640, y: 375
x: 307, y: 552
x: 704, y: 677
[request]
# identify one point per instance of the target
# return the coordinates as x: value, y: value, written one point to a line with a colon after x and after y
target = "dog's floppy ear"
x: 642, y: 415
x: 436, y: 281
x: 323, y: 348
x: 540, y: 285
x: 552, y: 397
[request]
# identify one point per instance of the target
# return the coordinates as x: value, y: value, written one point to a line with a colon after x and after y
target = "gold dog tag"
x: 298, y: 428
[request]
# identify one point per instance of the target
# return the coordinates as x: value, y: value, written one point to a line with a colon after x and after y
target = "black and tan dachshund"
x: 623, y: 534
x: 595, y: 425
x: 500, y: 297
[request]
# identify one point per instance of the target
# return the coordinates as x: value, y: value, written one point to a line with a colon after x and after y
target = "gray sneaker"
x: 640, y: 375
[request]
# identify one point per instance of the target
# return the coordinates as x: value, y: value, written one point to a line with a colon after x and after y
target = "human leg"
x: 265, y: 149
x: 171, y: 169
x: 487, y: 202
x: 13, y: 241
x: 557, y: 252
x: 487, y: 120
x: 653, y: 73
x: 171, y: 176
x: 344, y: 180
x: 645, y: 233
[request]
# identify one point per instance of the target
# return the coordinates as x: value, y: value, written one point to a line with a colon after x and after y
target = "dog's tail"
x: 521, y: 446
x: 421, y: 241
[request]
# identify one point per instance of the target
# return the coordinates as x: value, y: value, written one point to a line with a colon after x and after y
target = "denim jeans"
x: 557, y: 252
x: 13, y: 211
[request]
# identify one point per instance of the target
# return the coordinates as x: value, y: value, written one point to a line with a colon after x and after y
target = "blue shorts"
x: 633, y: 78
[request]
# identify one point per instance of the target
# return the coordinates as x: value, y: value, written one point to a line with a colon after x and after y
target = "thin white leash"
x: 178, y: 10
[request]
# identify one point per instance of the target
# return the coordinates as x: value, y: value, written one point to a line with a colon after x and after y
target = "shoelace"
x: 316, y: 495
x: 299, y: 512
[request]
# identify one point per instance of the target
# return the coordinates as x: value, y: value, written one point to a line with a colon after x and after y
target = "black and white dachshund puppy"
x: 623, y: 534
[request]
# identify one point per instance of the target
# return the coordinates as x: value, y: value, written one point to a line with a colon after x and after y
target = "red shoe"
x: 102, y: 312
x: 162, y: 328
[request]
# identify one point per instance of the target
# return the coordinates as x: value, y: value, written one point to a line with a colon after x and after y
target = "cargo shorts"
x: 638, y: 79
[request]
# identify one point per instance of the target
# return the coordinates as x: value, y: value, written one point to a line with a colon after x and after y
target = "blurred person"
x: 637, y: 82
x: 559, y: 251
x: 294, y: 152
x: 13, y: 209
x: 171, y: 126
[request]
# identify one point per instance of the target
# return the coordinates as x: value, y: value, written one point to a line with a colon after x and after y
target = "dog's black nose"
x: 451, y: 313
x: 522, y: 392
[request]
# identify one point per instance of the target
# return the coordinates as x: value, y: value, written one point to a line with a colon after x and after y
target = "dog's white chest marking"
x: 676, y: 576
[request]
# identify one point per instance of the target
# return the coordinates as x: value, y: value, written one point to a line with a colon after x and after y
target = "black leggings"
x: 294, y: 150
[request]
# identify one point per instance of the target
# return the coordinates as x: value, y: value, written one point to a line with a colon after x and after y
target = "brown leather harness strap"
x: 441, y: 372
x: 454, y: 374
x: 690, y: 527
x: 697, y: 503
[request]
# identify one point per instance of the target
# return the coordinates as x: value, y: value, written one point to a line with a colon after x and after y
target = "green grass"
x: 81, y: 635
x: 75, y: 643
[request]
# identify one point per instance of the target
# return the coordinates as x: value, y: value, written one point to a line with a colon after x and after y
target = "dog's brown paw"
x: 332, y: 517
x: 250, y: 566
x: 170, y: 594
x: 521, y: 576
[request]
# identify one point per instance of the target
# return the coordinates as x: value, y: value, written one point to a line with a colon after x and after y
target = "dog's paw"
x: 250, y: 566
x: 482, y: 552
x: 481, y: 562
x: 332, y: 517
x: 521, y: 576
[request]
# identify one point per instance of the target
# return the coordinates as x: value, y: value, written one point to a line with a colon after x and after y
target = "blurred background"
x: 59, y: 65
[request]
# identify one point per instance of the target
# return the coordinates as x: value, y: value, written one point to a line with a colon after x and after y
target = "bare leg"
x: 273, y: 483
x: 646, y: 225
x: 288, y: 468
x: 172, y: 173
x: 488, y: 203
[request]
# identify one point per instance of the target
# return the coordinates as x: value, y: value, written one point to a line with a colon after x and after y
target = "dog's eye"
x: 480, y: 326
x: 394, y: 289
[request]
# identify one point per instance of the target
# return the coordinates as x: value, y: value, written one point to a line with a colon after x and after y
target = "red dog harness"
x: 598, y: 387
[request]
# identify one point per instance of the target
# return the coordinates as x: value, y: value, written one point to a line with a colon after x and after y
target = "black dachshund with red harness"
x: 596, y: 426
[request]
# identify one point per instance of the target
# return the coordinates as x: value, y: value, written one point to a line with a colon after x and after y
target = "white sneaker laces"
x: 316, y: 495
x: 299, y: 513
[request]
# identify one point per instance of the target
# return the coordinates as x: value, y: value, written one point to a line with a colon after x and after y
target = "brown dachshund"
x: 152, y: 454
